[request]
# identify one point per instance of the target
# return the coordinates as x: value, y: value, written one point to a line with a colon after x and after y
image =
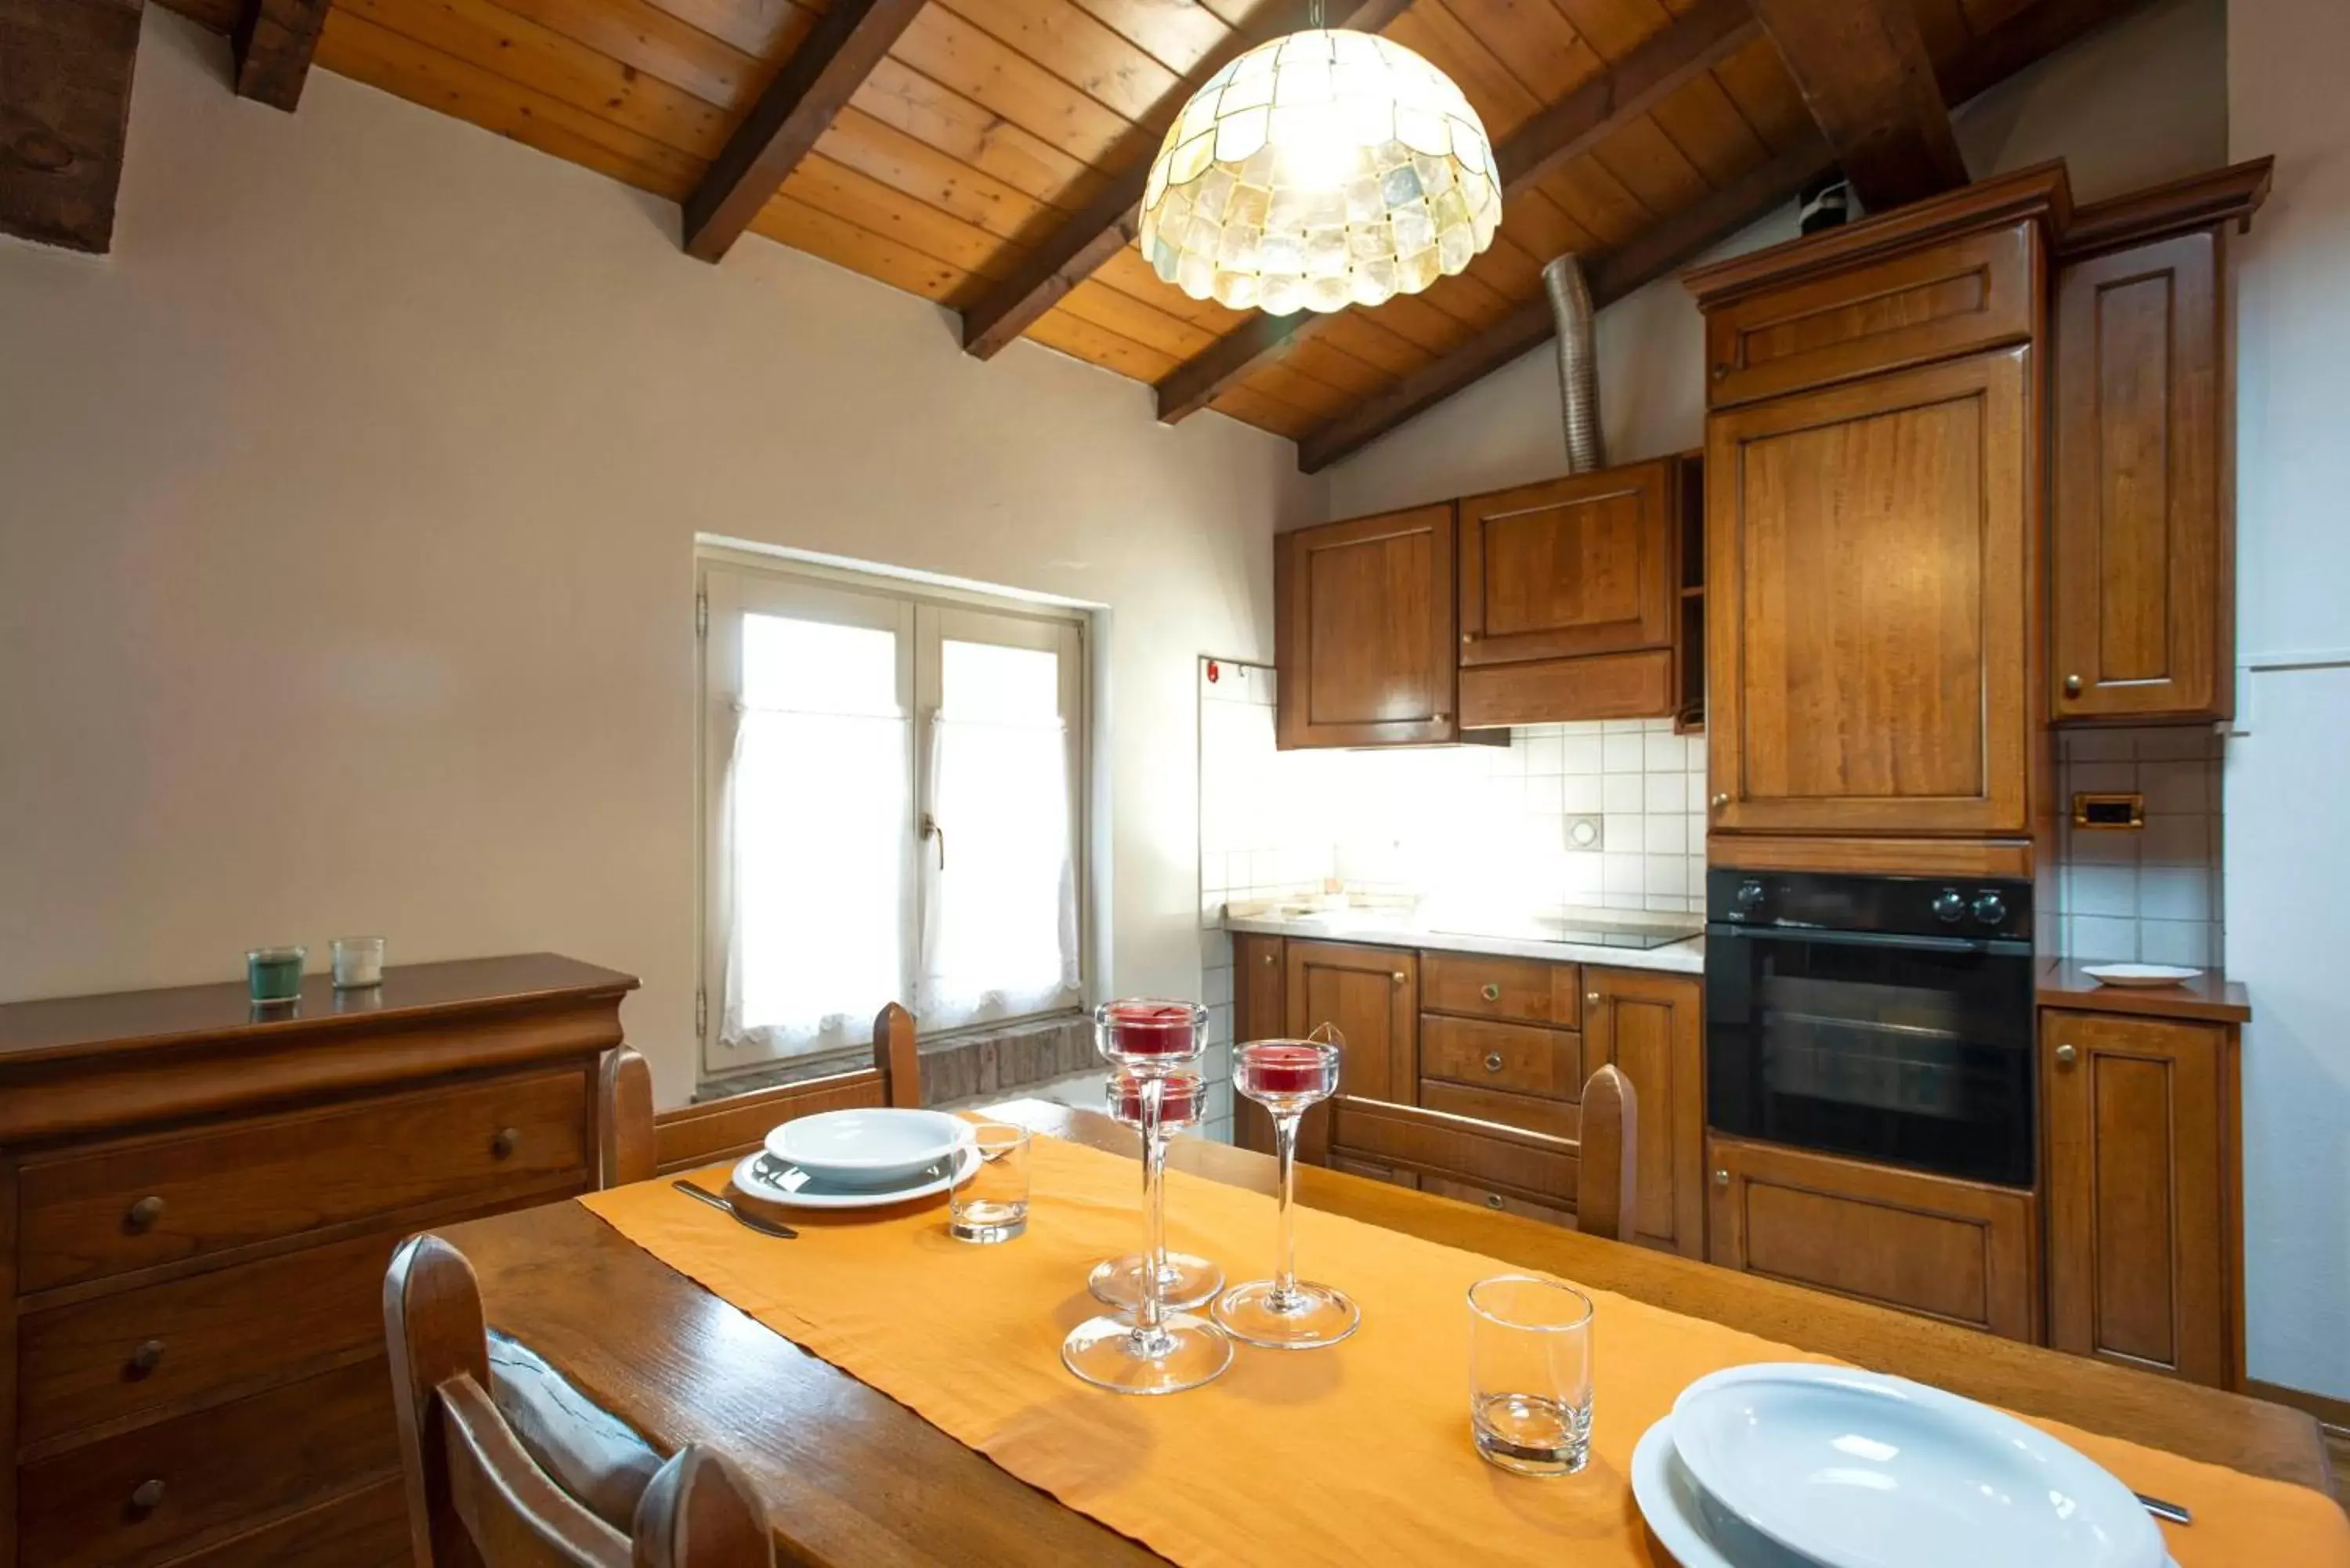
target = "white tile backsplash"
x: 2149, y: 895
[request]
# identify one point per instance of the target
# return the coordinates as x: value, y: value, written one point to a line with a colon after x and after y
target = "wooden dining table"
x: 852, y: 1476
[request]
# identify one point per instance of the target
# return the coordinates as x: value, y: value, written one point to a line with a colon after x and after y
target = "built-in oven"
x: 1886, y: 1018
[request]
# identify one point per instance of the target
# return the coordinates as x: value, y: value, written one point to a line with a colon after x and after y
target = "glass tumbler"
x: 273, y: 975
x: 1530, y: 1374
x: 1287, y: 1077
x: 991, y: 1204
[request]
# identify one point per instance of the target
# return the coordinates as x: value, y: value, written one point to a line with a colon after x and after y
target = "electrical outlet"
x: 1586, y: 833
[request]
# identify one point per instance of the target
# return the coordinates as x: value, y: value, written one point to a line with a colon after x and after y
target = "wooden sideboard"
x: 197, y: 1203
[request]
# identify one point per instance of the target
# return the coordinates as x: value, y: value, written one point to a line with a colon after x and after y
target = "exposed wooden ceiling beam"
x: 1863, y: 69
x: 65, y: 104
x: 1692, y: 44
x: 273, y: 44
x: 2025, y: 38
x: 1076, y: 250
x: 1661, y: 251
x: 812, y: 88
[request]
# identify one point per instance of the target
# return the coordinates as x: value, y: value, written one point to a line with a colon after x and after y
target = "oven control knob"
x: 1950, y: 906
x: 1748, y: 897
x: 1990, y: 909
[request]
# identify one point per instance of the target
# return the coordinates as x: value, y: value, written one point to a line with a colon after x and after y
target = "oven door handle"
x: 2000, y: 947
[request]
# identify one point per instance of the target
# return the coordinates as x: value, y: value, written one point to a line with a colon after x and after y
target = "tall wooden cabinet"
x: 1363, y: 631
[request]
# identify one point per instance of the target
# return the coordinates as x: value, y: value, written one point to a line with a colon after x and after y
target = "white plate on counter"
x: 2132, y: 975
x: 767, y: 1180
x: 1854, y: 1469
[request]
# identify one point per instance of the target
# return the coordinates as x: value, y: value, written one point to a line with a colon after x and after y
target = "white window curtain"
x: 999, y: 889
x: 814, y: 814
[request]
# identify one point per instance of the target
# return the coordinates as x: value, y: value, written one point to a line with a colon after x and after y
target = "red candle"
x: 1278, y: 1069
x: 1151, y: 1028
x: 1179, y: 1101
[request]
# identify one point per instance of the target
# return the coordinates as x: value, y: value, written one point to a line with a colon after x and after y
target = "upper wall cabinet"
x: 1363, y: 631
x: 1569, y: 595
x: 2142, y: 477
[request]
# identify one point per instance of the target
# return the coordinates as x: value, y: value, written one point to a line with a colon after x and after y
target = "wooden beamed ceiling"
x: 988, y: 154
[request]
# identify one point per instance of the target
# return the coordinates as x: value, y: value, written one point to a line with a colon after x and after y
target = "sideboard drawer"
x: 1517, y: 1057
x: 101, y: 1211
x: 1499, y: 1201
x: 131, y: 1499
x: 365, y: 1529
x: 93, y: 1360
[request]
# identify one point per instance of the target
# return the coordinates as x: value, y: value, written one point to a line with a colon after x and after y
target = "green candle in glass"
x: 274, y: 975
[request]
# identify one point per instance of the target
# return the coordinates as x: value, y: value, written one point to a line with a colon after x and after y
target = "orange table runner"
x: 1351, y: 1455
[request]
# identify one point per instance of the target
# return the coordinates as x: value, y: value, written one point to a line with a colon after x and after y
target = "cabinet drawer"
x: 1490, y: 1197
x: 1374, y: 1170
x: 1937, y: 303
x: 250, y: 1460
x: 96, y: 1213
x: 1534, y: 1112
x: 365, y: 1529
x: 1518, y: 1057
x: 1522, y: 991
x: 88, y: 1362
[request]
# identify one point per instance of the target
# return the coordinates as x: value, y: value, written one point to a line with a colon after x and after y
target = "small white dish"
x: 2138, y: 974
x: 1854, y: 1469
x: 869, y: 1148
x: 766, y: 1180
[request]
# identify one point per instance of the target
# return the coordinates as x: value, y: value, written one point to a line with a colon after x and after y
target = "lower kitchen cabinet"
x: 2143, y: 1176
x: 1370, y: 997
x: 1260, y: 1012
x: 1958, y: 1250
x: 1650, y: 1025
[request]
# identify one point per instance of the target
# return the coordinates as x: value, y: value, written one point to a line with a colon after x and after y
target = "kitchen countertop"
x: 1403, y: 929
x: 2213, y: 998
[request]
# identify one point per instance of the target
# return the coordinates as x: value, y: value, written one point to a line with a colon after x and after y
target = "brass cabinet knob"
x: 1719, y: 801
x: 1397, y: 977
x: 1721, y: 372
x: 1591, y: 998
x: 1722, y: 1178
x: 1492, y: 1060
x: 148, y: 1495
x: 2066, y: 1056
x: 2072, y: 686
x: 1468, y: 637
x: 1490, y: 991
x: 147, y: 1355
x: 143, y: 1215
x: 1268, y: 958
x: 1492, y: 1200
x: 504, y: 1144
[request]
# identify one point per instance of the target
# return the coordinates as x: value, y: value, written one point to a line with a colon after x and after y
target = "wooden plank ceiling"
x: 988, y: 126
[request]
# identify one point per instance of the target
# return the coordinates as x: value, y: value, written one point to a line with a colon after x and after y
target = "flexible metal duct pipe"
x: 1579, y: 363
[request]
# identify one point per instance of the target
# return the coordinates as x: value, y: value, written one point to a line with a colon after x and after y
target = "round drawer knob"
x: 1492, y: 1200
x: 1492, y: 1062
x: 1721, y: 372
x: 1719, y: 801
x: 1397, y: 977
x: 1490, y: 991
x: 143, y: 1215
x: 148, y: 1495
x: 505, y: 1142
x: 1591, y: 997
x: 2072, y: 686
x: 147, y: 1355
x: 2066, y: 1056
x: 1722, y: 1178
x: 1268, y: 958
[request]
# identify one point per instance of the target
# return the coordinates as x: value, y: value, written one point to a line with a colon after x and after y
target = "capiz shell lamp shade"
x: 1324, y: 169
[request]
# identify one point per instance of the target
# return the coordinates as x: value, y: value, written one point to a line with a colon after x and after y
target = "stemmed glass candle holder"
x: 1285, y: 1312
x: 1146, y: 1036
x: 1184, y: 1281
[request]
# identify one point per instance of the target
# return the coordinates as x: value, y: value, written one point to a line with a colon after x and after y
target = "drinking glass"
x: 1151, y: 1035
x: 273, y: 975
x: 991, y: 1204
x: 357, y: 962
x: 1157, y: 1350
x: 1285, y: 1312
x: 1530, y: 1374
x: 1184, y: 1281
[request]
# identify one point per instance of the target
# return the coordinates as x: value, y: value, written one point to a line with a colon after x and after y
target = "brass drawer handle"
x: 1268, y: 958
x: 1722, y: 1178
x: 148, y: 1495
x: 1492, y: 1060
x: 504, y: 1145
x: 1491, y: 993
x: 1397, y: 977
x: 2066, y: 1056
x: 2072, y: 686
x: 1492, y: 1200
x: 143, y: 1215
x: 1592, y: 998
x: 144, y: 1359
x: 1719, y: 801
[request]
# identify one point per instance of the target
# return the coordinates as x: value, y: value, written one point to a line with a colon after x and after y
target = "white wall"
x: 347, y: 522
x: 2143, y: 102
x: 2288, y: 850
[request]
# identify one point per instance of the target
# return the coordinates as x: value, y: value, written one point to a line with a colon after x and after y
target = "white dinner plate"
x: 1697, y: 1531
x: 869, y: 1148
x: 767, y: 1180
x: 2137, y: 974
x: 1854, y: 1469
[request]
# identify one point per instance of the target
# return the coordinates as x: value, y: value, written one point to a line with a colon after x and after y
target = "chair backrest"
x: 1606, y: 1194
x: 476, y: 1496
x: 636, y: 1145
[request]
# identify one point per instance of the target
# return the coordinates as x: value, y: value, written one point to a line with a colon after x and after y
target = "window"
x: 893, y: 810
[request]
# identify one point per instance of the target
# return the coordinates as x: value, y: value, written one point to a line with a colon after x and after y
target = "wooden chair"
x: 1607, y: 1199
x: 480, y: 1490
x: 638, y: 1146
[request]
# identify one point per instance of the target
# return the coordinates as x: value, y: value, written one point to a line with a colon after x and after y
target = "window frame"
x: 731, y: 583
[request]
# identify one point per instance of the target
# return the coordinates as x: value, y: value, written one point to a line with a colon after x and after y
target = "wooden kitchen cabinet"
x: 1870, y: 587
x: 1570, y: 596
x: 1363, y: 631
x: 1959, y: 1251
x: 2142, y: 483
x: 1650, y: 1025
x: 1370, y: 996
x: 2143, y: 1180
x: 1260, y: 1012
